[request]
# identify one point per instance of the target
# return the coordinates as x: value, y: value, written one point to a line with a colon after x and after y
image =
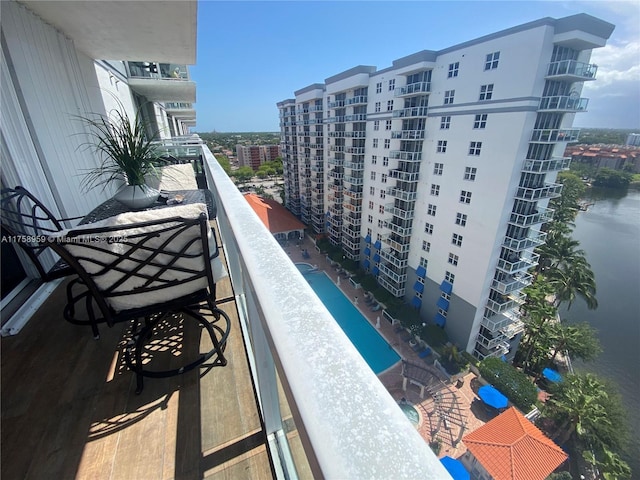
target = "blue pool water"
x: 371, y: 345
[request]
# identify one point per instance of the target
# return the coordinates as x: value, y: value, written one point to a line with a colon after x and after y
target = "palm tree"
x: 574, y: 280
x: 579, y: 341
x: 580, y: 403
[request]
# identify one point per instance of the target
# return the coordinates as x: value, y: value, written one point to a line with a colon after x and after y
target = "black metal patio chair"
x: 152, y: 270
x: 27, y: 222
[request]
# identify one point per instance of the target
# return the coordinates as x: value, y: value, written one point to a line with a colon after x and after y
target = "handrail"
x: 349, y: 424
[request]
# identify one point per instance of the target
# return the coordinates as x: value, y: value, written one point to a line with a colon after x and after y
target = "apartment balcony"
x: 404, y: 176
x: 544, y: 166
x: 390, y: 255
x: 354, y: 194
x: 403, y: 213
x: 397, y: 243
x: 410, y: 112
x: 337, y: 148
x: 513, y: 329
x: 353, y: 205
x: 353, y: 219
x: 563, y: 104
x: 399, y: 230
x: 534, y: 239
x: 397, y: 289
x: 547, y: 190
x: 335, y: 187
x: 542, y: 215
x: 407, y: 156
x: 180, y: 109
x: 412, y: 89
x: 518, y: 264
x: 495, y: 323
x: 355, y: 166
x: 507, y: 302
x: 338, y: 162
x: 408, y: 134
x: 340, y: 134
x: 512, y: 283
x: 356, y: 117
x: 335, y: 175
x: 337, y: 104
x: 355, y: 150
x: 161, y: 82
x: 356, y: 134
x: 401, y: 194
x: 339, y: 119
x: 353, y: 180
x: 491, y: 342
x: 546, y: 135
x: 357, y: 100
x: 571, y: 71
x: 319, y: 168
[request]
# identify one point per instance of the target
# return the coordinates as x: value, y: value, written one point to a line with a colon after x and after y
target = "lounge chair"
x: 425, y: 353
x: 376, y: 308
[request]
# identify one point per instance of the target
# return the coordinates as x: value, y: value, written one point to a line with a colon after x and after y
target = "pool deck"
x: 466, y: 395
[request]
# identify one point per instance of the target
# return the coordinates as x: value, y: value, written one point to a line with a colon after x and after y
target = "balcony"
x: 404, y: 213
x: 353, y: 194
x: 412, y: 88
x: 356, y: 117
x: 545, y: 135
x: 547, y: 190
x: 357, y: 100
x: 389, y: 255
x: 180, y: 109
x: 406, y: 156
x: 399, y: 244
x: 356, y: 166
x: 355, y: 150
x: 397, y: 289
x: 404, y: 176
x: 563, y: 104
x: 337, y: 104
x: 515, y: 264
x: 542, y: 215
x: 161, y: 82
x: 335, y: 161
x: 356, y: 134
x: 401, y: 194
x: 512, y: 283
x: 410, y: 112
x: 544, y: 166
x: 399, y: 230
x: 506, y: 303
x: 408, y: 134
x: 353, y: 180
x: 572, y: 71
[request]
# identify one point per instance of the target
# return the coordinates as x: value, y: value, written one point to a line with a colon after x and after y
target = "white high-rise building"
x: 436, y: 173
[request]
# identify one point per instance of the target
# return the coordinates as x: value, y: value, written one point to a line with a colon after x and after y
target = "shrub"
x: 514, y: 384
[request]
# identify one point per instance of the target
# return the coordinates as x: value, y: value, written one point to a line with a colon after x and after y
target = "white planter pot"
x: 137, y: 196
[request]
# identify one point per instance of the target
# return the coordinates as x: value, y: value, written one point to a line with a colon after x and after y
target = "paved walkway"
x: 430, y: 427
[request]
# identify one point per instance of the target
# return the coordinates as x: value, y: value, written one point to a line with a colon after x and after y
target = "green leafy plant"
x: 514, y: 384
x: 126, y: 152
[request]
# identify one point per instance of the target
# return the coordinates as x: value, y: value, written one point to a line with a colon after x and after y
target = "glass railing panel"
x: 563, y: 103
x: 573, y: 68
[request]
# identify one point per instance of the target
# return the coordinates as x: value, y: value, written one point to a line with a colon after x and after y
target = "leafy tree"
x: 607, y: 177
x: 560, y: 476
x: 224, y: 162
x: 579, y: 341
x: 514, y: 384
x: 243, y: 175
x: 559, y: 251
x: 574, y: 280
x: 566, y: 205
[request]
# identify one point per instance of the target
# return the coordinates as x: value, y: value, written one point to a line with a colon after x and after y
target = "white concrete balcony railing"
x: 512, y: 283
x: 162, y: 82
x: 572, y: 70
x: 534, y: 239
x: 546, y: 190
x: 563, y: 103
x: 335, y: 161
x: 510, y: 301
x: 518, y: 264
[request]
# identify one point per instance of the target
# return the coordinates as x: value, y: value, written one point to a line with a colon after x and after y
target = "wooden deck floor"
x: 69, y: 410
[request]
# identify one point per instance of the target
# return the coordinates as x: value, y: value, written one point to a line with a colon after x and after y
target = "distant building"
x: 280, y: 221
x: 510, y: 447
x: 255, y: 155
x: 633, y: 139
x: 615, y: 157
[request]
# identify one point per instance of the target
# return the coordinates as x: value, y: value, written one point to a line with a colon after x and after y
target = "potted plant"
x: 127, y: 156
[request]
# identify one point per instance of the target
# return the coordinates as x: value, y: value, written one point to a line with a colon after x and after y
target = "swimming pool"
x: 372, y: 346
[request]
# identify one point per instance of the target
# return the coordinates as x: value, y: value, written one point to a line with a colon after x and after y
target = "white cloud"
x: 616, y: 63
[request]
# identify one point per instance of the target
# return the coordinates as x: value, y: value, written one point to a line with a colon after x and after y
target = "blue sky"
x: 252, y: 55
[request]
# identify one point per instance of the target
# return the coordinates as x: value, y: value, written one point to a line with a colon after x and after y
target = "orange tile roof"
x: 510, y: 447
x: 274, y: 216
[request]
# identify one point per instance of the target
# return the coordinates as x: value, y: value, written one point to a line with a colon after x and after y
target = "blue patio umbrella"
x: 455, y: 468
x: 492, y: 396
x: 551, y: 375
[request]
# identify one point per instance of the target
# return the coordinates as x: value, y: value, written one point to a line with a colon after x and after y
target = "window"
x: 449, y: 277
x: 431, y: 210
x: 389, y: 105
x: 446, y: 296
x: 438, y: 168
x: 470, y: 173
x: 442, y: 312
x: 374, y: 159
x: 385, y: 161
x: 442, y: 146
x: 435, y: 189
x: 453, y: 259
x: 376, y: 125
x: 445, y: 122
x: 372, y: 190
x: 379, y: 87
x: 465, y: 197
x: 381, y: 224
x: 486, y: 92
x: 448, y: 96
x: 392, y: 84
x: 387, y: 125
x: 373, y: 175
x: 480, y: 121
x: 423, y: 263
x: 426, y: 246
x: 383, y: 194
x: 384, y: 178
x: 453, y: 70
x: 370, y: 205
x: 377, y: 106
x: 370, y: 218
x: 418, y: 294
x: 375, y: 143
x: 492, y: 61
x: 461, y: 219
x: 381, y: 209
x: 456, y: 240
x: 474, y: 148
x: 387, y: 143
x: 428, y: 228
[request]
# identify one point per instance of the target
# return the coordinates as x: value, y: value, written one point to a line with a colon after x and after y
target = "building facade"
x: 436, y: 173
x: 255, y: 155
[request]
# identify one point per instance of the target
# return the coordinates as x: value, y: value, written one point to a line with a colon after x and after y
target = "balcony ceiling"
x: 159, y: 31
